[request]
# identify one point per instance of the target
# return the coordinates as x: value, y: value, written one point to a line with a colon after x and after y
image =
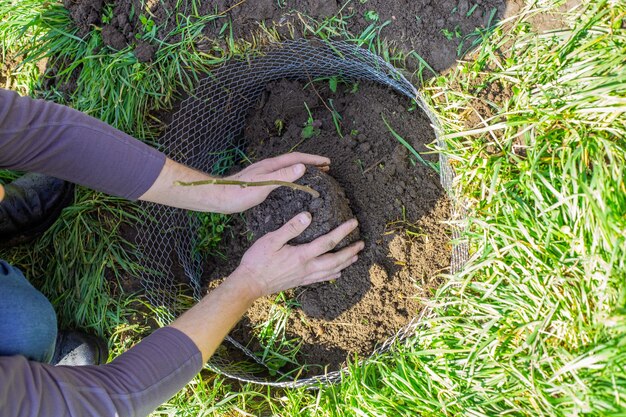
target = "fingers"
x: 328, y: 242
x: 289, y: 174
x: 290, y: 159
x: 289, y: 230
x: 329, y: 266
x: 321, y: 278
x: 335, y: 262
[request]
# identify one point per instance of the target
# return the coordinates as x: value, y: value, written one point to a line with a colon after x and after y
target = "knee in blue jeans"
x: 28, y: 324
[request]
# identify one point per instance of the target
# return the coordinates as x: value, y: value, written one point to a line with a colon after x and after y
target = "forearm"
x: 133, y: 385
x: 139, y: 380
x: 51, y: 139
x: 209, y: 321
x: 45, y: 137
x: 165, y: 191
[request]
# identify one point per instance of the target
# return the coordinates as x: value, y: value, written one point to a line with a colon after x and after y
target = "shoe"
x: 31, y: 204
x: 74, y: 348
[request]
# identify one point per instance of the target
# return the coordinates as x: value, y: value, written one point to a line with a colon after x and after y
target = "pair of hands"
x: 271, y: 265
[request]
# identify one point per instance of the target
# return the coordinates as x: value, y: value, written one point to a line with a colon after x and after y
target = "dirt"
x: 85, y: 14
x: 328, y: 211
x: 424, y: 31
x: 489, y: 97
x: 399, y: 204
x: 7, y: 65
x: 123, y: 28
x: 436, y: 30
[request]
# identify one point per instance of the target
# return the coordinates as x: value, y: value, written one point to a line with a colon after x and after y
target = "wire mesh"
x: 210, y: 123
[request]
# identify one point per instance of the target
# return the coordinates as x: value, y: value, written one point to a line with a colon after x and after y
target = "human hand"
x: 288, y: 167
x: 271, y: 265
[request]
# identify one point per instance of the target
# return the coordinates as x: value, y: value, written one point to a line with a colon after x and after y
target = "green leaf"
x: 332, y: 84
x: 308, y: 131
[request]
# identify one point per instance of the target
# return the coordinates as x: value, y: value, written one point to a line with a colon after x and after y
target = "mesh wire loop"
x: 208, y: 124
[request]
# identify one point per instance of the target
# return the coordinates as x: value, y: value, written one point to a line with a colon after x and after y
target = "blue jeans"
x: 28, y: 323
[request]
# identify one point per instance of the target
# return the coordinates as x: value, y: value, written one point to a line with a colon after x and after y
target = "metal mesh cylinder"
x: 210, y: 123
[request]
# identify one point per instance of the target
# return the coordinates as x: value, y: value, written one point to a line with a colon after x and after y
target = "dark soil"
x: 124, y: 28
x: 328, y: 211
x: 399, y: 204
x: 85, y: 14
x: 436, y: 30
x: 433, y: 29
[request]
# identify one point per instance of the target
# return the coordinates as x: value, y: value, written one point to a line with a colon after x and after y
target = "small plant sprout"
x: 403, y: 225
x: 311, y: 127
x: 371, y: 16
x: 279, y: 124
x: 332, y: 84
x: 452, y: 34
x: 448, y: 35
x: 148, y: 26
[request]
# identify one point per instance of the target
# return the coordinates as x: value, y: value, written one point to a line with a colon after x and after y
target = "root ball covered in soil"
x: 327, y: 211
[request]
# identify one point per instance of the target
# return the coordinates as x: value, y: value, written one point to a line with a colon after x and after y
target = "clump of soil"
x: 85, y: 14
x: 124, y: 27
x: 399, y: 203
x: 328, y: 211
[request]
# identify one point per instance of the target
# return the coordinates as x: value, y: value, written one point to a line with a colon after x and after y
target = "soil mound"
x: 398, y: 201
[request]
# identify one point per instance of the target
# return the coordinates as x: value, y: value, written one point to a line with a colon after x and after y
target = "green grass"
x: 78, y: 262
x: 279, y: 349
x: 535, y: 324
x: 410, y: 148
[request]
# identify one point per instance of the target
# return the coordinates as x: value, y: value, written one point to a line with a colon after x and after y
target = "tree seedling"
x: 245, y: 184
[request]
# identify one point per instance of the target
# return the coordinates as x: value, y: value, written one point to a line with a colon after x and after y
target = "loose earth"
x: 398, y: 202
